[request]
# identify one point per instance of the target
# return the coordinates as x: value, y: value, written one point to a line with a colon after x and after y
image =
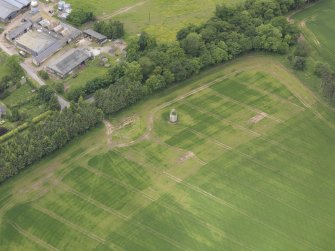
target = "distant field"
x: 162, y: 18
x: 249, y: 166
x: 318, y: 23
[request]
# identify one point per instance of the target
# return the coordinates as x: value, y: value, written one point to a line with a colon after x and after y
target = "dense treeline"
x: 43, y: 138
x: 112, y: 29
x: 256, y: 25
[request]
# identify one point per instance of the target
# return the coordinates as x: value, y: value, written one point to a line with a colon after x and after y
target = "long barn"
x: 9, y: 9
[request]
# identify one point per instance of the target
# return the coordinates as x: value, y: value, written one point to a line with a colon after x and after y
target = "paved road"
x: 62, y: 102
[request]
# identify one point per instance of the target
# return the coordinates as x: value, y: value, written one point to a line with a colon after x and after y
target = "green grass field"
x: 248, y: 166
x: 317, y: 23
x: 161, y: 18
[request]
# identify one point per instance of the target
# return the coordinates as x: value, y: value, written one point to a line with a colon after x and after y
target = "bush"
x: 43, y: 74
x: 322, y: 69
x: 3, y: 131
x: 79, y: 17
x: 59, y: 88
x: 299, y: 63
x: 111, y: 29
x: 302, y: 49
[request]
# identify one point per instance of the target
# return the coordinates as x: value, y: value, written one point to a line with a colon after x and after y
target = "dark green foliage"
x: 43, y: 74
x: 299, y: 63
x: 3, y: 131
x: 45, y: 137
x: 79, y: 17
x: 322, y: 69
x: 13, y: 77
x: 111, y: 29
x: 48, y: 96
x: 328, y: 86
x: 15, y: 115
x: 59, y: 88
x: 45, y: 93
x: 302, y: 49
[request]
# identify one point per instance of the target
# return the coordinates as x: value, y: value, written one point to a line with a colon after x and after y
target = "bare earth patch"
x: 187, y: 156
x: 259, y: 117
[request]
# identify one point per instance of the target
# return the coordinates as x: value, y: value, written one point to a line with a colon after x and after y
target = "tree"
x: 270, y: 38
x: 80, y: 16
x: 302, y: 49
x: 192, y: 44
x: 43, y: 74
x: 15, y: 115
x: 41, y: 139
x: 59, y: 88
x: 45, y: 93
x: 299, y: 63
x: 111, y: 29
x: 154, y: 82
x: 147, y: 66
x: 53, y: 103
x: 146, y: 42
x: 322, y: 69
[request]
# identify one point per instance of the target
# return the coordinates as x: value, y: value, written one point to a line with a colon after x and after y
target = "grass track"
x: 246, y: 186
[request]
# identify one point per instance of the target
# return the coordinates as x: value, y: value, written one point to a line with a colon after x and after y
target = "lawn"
x: 161, y: 18
x: 3, y: 67
x: 90, y: 71
x: 248, y: 166
x: 317, y: 23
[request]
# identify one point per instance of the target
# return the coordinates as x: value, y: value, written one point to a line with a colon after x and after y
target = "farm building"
x: 95, y: 36
x: 9, y: 9
x: 42, y: 38
x: 34, y: 42
x: 48, y: 52
x: 19, y: 30
x: 71, y: 60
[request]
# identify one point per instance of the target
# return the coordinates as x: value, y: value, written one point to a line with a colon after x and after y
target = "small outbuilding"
x: 71, y: 60
x: 95, y: 36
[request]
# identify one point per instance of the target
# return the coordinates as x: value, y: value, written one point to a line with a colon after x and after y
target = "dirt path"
x: 109, y: 131
x: 122, y: 10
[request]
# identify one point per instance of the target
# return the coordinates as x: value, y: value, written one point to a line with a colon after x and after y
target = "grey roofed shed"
x: 19, y: 30
x: 14, y: 3
x: 96, y: 35
x: 9, y: 8
x: 23, y: 2
x: 74, y: 33
x: 44, y: 55
x: 69, y: 61
x: 6, y: 10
